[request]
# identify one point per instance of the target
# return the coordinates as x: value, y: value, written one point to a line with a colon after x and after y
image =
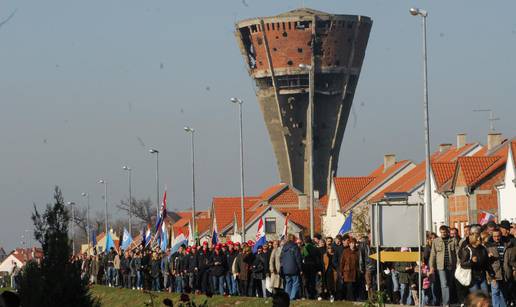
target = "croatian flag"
x: 191, y: 240
x: 127, y: 239
x: 164, y: 237
x: 260, y: 236
x: 162, y: 213
x: 285, y: 228
x: 346, y: 227
x: 486, y: 217
x: 215, y: 234
x: 179, y: 240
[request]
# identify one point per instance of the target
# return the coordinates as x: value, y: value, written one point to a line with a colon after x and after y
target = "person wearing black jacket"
x: 155, y: 268
x: 473, y: 255
x: 204, y: 260
x: 231, y: 282
x: 145, y: 268
x: 192, y: 268
x: 125, y: 260
x: 258, y: 274
x: 218, y: 270
x: 177, y: 269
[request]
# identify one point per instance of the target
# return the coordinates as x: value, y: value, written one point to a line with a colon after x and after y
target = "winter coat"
x: 242, y: 265
x: 133, y: 265
x: 349, y: 265
x: 494, y: 261
x: 275, y: 267
x: 509, y: 262
x: 155, y: 268
x: 329, y: 273
x: 116, y: 262
x: 290, y: 259
x: 404, y: 273
x: 124, y: 264
x: 230, y: 259
x: 204, y: 260
x: 437, y: 253
x: 219, y: 264
x: 258, y: 267
x: 479, y: 268
x: 311, y: 259
x: 192, y: 262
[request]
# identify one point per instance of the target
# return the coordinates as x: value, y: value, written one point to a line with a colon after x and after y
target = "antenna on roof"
x: 491, y: 118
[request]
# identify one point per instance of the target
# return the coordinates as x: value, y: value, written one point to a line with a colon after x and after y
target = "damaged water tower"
x: 306, y: 65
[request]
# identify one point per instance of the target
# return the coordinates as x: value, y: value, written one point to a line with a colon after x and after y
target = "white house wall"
x: 7, y: 264
x: 508, y: 192
x: 438, y: 205
x: 333, y: 220
x: 252, y: 229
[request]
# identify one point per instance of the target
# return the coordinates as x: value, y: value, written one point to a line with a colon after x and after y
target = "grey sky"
x: 81, y: 81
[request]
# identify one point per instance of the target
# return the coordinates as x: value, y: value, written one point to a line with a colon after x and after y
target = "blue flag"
x: 109, y: 242
x: 127, y: 240
x: 93, y: 237
x: 346, y: 227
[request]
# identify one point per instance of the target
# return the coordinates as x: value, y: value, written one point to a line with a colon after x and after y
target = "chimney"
x: 461, y: 140
x: 493, y: 139
x: 303, y: 201
x: 388, y: 161
x: 444, y: 147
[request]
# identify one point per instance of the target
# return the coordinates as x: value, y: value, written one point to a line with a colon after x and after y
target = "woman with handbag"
x: 474, y: 256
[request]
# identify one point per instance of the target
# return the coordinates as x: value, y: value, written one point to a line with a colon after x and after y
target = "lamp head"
x: 126, y: 168
x: 416, y: 11
x: 189, y: 129
x: 304, y: 66
x: 236, y: 100
x: 84, y: 194
x: 153, y: 150
x: 101, y: 181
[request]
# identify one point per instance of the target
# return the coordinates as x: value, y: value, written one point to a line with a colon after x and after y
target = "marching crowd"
x: 322, y: 268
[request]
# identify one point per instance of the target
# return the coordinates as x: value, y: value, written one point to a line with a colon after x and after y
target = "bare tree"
x: 142, y: 209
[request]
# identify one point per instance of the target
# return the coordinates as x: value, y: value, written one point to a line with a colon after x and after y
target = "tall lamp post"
x: 156, y: 152
x: 428, y: 195
x: 192, y: 133
x: 240, y: 102
x: 102, y: 181
x: 129, y: 170
x: 87, y: 215
x: 309, y: 140
x: 72, y: 204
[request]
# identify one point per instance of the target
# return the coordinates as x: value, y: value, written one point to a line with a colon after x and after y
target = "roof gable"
x: 443, y: 172
x: 348, y: 187
x: 475, y: 168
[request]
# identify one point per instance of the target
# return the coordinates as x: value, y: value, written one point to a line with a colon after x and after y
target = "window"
x: 270, y: 225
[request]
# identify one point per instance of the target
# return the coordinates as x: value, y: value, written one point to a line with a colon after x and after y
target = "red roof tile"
x: 380, y: 175
x: 513, y: 147
x: 271, y: 191
x: 443, y: 172
x: 348, y: 187
x: 302, y: 217
x: 474, y: 168
x: 285, y: 197
x: 225, y: 209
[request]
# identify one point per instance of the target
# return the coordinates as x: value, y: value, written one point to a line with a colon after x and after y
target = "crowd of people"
x: 321, y: 268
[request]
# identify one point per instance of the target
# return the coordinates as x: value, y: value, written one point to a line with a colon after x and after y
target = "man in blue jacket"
x: 290, y: 263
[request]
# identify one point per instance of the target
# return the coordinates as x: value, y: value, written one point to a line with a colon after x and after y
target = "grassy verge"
x: 124, y: 297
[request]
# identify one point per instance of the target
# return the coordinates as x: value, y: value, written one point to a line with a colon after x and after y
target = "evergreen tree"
x: 56, y: 281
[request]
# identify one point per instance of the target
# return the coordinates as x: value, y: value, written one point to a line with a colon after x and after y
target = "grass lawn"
x: 124, y: 297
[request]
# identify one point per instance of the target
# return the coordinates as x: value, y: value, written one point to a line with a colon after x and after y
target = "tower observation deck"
x: 306, y: 66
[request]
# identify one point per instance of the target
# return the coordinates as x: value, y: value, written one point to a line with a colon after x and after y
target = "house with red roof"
x: 353, y: 193
x: 273, y: 205
x: 474, y: 187
x: 20, y: 256
x: 507, y: 188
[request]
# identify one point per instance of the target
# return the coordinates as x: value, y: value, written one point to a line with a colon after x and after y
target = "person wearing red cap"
x: 193, y: 268
x: 204, y: 259
x: 231, y: 281
x: 218, y: 270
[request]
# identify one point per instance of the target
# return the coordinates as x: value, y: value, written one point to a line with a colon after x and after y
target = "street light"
x: 309, y: 141
x: 102, y: 181
x: 129, y: 170
x: 72, y: 204
x: 240, y: 102
x: 155, y: 151
x: 87, y: 215
x: 428, y: 196
x: 192, y: 132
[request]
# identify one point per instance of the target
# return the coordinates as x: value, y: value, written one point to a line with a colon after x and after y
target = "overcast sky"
x: 89, y: 86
